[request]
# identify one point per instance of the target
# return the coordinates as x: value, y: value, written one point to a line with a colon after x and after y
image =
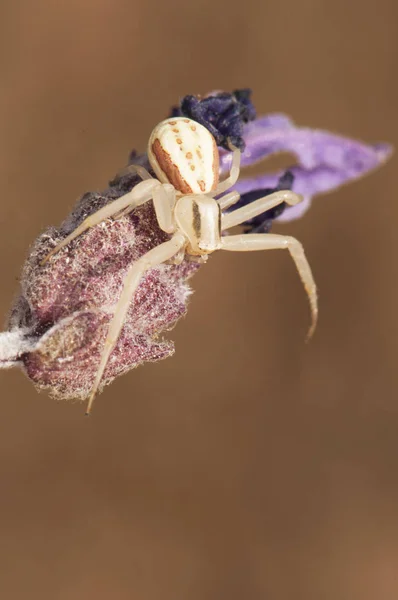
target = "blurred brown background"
x: 249, y: 465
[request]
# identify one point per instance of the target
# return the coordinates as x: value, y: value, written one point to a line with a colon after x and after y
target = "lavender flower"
x: 325, y: 160
x: 58, y: 324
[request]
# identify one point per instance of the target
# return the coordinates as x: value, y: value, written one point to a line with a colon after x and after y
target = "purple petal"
x: 325, y: 160
x: 273, y: 120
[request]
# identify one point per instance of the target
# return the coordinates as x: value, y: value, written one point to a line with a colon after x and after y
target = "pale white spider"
x: 184, y: 156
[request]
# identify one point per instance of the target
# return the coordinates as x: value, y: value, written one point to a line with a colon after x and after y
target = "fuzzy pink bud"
x: 59, y: 322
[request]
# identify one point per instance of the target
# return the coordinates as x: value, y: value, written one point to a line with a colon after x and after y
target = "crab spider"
x: 184, y: 157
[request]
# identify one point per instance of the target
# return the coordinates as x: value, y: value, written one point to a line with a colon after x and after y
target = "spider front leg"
x: 151, y: 259
x: 164, y: 198
x: 267, y: 241
x: 228, y: 200
x: 140, y: 194
x: 258, y: 207
x: 141, y: 172
x: 232, y: 178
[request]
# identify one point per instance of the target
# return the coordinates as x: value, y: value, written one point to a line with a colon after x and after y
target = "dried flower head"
x: 223, y: 114
x: 57, y: 326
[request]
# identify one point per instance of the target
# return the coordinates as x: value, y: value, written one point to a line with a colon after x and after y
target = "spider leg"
x: 228, y: 200
x: 140, y: 194
x: 154, y: 257
x: 268, y: 241
x: 232, y: 178
x: 164, y: 199
x: 236, y: 217
x: 141, y: 172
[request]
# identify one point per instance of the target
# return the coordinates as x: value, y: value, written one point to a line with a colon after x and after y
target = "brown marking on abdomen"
x: 171, y: 171
x: 216, y: 165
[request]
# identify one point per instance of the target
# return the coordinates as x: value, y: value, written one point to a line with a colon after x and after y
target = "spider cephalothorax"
x: 189, y: 206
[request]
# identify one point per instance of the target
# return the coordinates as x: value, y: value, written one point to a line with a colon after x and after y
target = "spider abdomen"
x: 199, y: 219
x: 184, y: 153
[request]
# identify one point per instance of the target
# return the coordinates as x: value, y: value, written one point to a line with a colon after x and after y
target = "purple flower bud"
x: 223, y: 114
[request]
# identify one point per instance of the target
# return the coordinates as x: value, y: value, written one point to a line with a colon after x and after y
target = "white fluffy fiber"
x: 12, y: 345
